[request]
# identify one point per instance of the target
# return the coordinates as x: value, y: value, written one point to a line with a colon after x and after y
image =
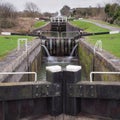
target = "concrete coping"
x: 73, y: 68
x: 55, y: 68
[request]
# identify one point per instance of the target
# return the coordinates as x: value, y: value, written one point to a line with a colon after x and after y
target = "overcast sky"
x: 56, y: 5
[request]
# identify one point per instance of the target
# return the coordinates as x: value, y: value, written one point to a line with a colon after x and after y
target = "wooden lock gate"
x: 60, y: 46
x: 63, y: 92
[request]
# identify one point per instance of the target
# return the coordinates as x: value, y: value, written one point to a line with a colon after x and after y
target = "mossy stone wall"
x: 100, y: 61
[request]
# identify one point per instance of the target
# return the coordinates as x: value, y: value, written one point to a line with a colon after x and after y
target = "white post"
x: 5, y: 33
x: 50, y: 44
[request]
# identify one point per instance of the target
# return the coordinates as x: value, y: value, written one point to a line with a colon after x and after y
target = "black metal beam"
x: 28, y: 90
x: 99, y: 90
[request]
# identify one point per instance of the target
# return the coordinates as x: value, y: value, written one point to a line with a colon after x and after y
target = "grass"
x: 39, y: 24
x: 8, y: 43
x: 88, y: 27
x: 110, y: 42
x: 105, y: 23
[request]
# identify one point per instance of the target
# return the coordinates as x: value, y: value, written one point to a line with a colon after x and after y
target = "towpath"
x: 111, y: 28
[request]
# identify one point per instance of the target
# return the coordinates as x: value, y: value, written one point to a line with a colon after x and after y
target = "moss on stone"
x: 91, y: 62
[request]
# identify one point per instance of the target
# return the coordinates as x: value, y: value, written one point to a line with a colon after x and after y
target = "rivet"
x: 47, y: 93
x: 37, y: 86
x: 91, y: 87
x: 57, y: 93
x: 80, y: 86
x: 47, y: 86
x: 58, y: 85
x: 36, y: 94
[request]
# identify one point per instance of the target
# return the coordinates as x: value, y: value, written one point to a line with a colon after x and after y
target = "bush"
x: 7, y: 23
x: 117, y: 21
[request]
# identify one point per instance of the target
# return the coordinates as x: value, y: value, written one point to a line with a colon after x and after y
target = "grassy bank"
x: 110, y: 43
x: 8, y: 43
x: 105, y: 23
x: 88, y: 27
x: 39, y: 24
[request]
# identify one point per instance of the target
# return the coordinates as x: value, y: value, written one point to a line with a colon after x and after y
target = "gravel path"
x: 111, y: 28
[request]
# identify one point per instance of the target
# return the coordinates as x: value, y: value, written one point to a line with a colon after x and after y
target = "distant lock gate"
x: 60, y: 46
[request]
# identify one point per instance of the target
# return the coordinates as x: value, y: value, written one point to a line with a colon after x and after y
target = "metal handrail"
x: 101, y: 73
x: 26, y: 45
x: 16, y: 73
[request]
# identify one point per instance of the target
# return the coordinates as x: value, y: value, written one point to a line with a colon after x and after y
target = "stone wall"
x: 21, y: 61
x: 100, y: 61
x: 70, y: 27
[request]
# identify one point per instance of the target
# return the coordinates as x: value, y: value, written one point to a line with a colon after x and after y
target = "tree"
x: 7, y: 10
x: 65, y: 11
x: 113, y: 13
x: 7, y: 15
x: 47, y: 14
x: 31, y: 9
x: 107, y: 9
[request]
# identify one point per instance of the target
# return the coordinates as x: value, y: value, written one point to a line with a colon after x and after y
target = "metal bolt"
x: 47, y: 86
x: 70, y: 94
x: 80, y: 86
x: 37, y: 86
x: 47, y: 93
x: 58, y: 85
x: 57, y: 93
x: 36, y: 94
x: 91, y: 87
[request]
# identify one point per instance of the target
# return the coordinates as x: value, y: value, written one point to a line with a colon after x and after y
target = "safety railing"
x: 91, y: 78
x: 98, y: 46
x: 21, y: 40
x: 18, y: 73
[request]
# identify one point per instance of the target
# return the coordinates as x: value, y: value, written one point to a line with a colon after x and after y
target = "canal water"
x: 50, y: 61
x: 57, y: 59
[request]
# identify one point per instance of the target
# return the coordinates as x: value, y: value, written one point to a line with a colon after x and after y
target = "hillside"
x: 23, y: 25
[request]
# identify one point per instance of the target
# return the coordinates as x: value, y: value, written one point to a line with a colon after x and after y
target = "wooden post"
x: 54, y: 75
x: 72, y: 75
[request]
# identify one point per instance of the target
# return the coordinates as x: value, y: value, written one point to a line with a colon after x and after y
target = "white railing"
x: 19, y: 73
x: 21, y: 40
x: 98, y: 46
x: 102, y: 73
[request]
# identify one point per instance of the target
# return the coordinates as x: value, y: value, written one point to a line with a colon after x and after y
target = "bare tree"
x: 7, y: 15
x: 31, y: 9
x: 7, y: 10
